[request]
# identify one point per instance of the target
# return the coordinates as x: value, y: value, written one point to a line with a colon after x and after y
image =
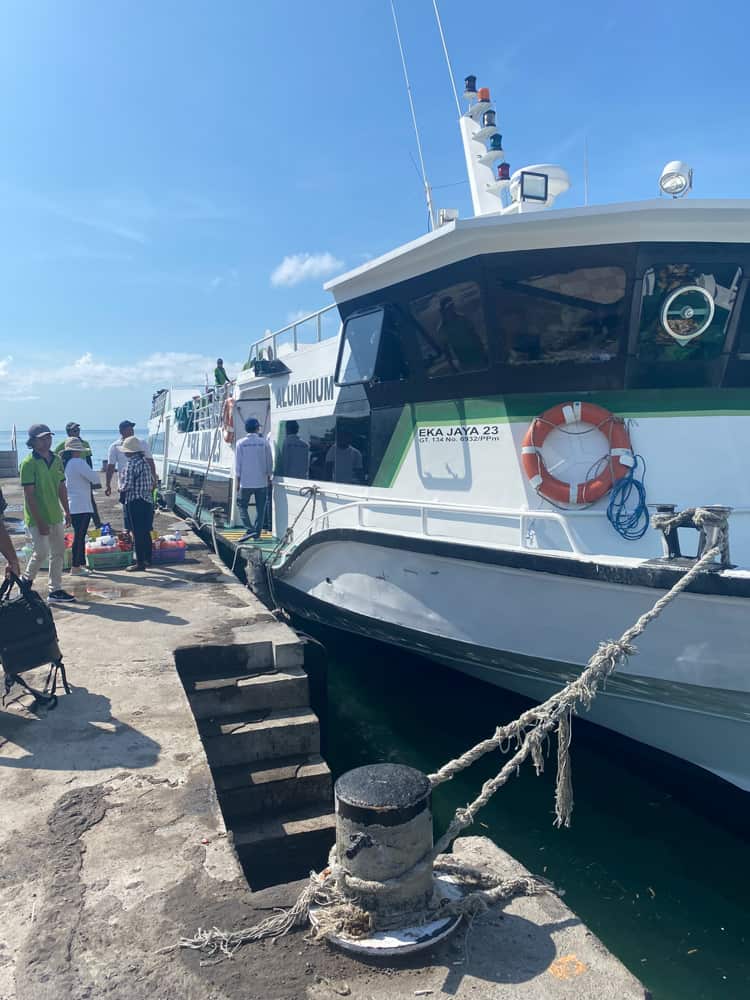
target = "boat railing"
x: 421, y: 512
x: 208, y: 407
x: 310, y: 329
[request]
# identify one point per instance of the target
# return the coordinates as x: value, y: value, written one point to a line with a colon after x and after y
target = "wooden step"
x: 269, y: 786
x: 285, y: 847
x: 221, y: 696
x: 253, y: 736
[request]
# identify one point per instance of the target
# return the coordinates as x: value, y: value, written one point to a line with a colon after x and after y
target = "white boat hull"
x: 687, y: 692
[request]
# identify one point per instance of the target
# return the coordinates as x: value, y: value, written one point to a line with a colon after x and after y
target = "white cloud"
x: 154, y: 371
x: 304, y: 267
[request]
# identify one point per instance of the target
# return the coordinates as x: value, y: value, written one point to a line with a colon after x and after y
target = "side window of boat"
x: 451, y: 330
x: 324, y: 449
x: 573, y: 316
x: 358, y: 351
x: 743, y: 331
x: 685, y: 311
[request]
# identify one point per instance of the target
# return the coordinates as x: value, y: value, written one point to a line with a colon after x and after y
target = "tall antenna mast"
x: 585, y: 170
x: 447, y: 57
x: 427, y: 188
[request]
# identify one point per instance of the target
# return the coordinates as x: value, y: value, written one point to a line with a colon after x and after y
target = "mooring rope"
x: 337, y: 892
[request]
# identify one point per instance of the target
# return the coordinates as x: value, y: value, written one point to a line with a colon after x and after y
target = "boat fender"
x: 620, y: 456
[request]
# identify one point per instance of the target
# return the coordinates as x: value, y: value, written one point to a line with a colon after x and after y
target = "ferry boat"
x: 483, y: 421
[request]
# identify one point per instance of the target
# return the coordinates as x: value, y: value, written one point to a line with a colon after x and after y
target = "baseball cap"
x: 69, y: 427
x: 251, y: 425
x: 124, y: 424
x: 37, y: 431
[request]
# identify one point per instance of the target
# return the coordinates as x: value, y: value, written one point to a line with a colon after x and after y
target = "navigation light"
x: 470, y: 86
x: 488, y: 119
x: 496, y: 141
x: 503, y: 172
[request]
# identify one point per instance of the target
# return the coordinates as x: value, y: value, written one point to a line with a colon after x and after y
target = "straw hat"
x: 131, y: 446
x: 74, y: 444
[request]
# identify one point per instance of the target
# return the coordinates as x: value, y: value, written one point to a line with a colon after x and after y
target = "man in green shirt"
x: 220, y: 376
x: 46, y: 510
x: 73, y: 430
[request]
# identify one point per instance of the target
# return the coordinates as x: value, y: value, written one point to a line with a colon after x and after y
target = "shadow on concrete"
x: 512, y: 950
x: 130, y: 612
x: 81, y: 734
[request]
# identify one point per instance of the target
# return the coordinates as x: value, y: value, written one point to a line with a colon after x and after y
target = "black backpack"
x: 28, y: 639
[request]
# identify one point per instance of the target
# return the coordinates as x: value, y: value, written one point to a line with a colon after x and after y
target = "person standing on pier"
x: 135, y: 496
x: 79, y: 480
x: 7, y: 548
x: 253, y: 468
x: 73, y: 430
x: 117, y: 460
x: 46, y: 510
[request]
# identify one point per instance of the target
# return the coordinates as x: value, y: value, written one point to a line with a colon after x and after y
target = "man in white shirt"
x: 253, y: 464
x: 116, y: 459
x: 294, y: 461
x: 344, y: 461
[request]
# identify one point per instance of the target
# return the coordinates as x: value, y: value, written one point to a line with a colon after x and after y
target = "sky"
x: 178, y: 177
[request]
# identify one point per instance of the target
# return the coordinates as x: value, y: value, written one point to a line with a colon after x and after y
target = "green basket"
x: 108, y: 560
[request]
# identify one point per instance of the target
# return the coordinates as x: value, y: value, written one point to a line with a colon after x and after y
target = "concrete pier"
x: 113, y: 843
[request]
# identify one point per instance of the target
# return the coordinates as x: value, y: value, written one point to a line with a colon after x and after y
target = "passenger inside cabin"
x: 456, y: 332
x: 294, y: 459
x: 344, y: 461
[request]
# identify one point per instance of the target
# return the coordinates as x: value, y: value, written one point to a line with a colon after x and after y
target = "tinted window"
x: 325, y: 449
x: 743, y: 333
x: 567, y: 316
x: 359, y: 348
x: 685, y: 310
x: 451, y: 331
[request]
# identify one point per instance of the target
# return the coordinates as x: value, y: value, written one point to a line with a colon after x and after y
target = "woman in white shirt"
x: 79, y: 478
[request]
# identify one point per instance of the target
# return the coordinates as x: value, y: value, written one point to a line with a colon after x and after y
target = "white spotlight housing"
x: 676, y: 179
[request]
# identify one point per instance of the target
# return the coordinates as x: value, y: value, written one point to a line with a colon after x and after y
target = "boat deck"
x: 228, y: 535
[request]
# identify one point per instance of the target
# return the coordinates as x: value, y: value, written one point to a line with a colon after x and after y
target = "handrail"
x: 257, y: 345
x: 426, y: 506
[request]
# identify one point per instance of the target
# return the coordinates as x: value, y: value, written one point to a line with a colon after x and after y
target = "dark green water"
x: 655, y: 863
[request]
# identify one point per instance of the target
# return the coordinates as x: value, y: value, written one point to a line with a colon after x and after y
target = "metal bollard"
x: 383, y: 829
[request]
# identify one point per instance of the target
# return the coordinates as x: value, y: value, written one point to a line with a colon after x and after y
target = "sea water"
x: 100, y: 440
x: 656, y: 859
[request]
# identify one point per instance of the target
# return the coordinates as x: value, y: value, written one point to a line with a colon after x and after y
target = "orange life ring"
x: 227, y: 420
x: 620, y: 453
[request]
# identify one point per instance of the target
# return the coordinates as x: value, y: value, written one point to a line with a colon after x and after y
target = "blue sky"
x: 161, y: 160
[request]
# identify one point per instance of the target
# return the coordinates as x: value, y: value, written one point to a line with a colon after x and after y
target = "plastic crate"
x: 171, y: 554
x: 109, y: 560
x: 24, y: 555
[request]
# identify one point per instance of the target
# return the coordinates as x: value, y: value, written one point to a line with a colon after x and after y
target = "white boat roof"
x: 659, y: 220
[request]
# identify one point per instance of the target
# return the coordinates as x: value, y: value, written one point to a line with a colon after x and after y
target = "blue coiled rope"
x: 629, y: 521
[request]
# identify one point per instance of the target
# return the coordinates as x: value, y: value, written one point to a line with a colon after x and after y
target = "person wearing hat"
x: 79, y: 478
x: 46, y: 510
x: 253, y: 464
x: 73, y: 430
x: 135, y: 495
x: 116, y: 460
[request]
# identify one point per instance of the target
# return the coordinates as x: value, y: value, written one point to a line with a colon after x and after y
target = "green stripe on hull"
x: 636, y: 403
